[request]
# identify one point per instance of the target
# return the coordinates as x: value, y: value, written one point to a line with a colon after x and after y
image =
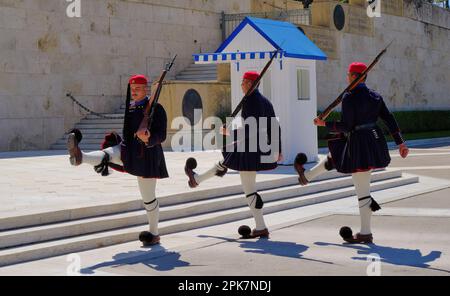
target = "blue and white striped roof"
x: 281, y: 35
x: 207, y: 58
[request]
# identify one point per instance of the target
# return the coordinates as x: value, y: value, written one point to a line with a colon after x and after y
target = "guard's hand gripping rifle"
x: 352, y: 85
x: 149, y: 112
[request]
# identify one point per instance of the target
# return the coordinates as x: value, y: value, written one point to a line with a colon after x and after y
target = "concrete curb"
x: 411, y: 144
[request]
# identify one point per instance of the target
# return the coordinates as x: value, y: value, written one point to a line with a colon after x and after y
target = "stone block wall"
x: 414, y: 73
x: 44, y: 54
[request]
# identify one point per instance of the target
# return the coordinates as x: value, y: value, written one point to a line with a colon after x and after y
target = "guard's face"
x: 138, y: 91
x: 349, y: 78
x: 246, y: 85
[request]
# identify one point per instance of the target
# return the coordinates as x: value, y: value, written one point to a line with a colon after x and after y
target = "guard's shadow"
x: 266, y: 246
x: 157, y: 258
x: 395, y: 256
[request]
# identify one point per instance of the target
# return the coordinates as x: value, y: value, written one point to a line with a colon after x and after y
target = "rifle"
x: 149, y: 111
x: 352, y: 85
x: 127, y: 135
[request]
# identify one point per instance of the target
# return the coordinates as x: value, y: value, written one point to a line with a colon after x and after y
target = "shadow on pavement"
x: 395, y: 256
x: 28, y: 154
x: 267, y: 246
x: 157, y: 258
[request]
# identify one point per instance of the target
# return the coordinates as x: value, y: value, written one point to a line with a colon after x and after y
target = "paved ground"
x: 311, y: 248
x: 411, y: 237
x: 303, y: 241
x: 44, y: 181
x: 36, y: 182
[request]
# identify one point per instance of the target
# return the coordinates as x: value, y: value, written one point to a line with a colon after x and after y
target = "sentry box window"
x: 303, y: 85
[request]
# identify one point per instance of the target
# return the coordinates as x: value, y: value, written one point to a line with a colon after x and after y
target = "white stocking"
x: 151, y: 204
x: 95, y: 158
x: 209, y: 173
x: 248, y: 180
x: 316, y: 171
x: 362, y: 187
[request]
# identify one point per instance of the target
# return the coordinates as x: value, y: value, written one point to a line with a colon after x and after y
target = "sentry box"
x: 290, y: 83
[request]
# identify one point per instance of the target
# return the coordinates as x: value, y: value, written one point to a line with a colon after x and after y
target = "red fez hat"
x: 138, y: 79
x: 357, y: 67
x: 251, y: 75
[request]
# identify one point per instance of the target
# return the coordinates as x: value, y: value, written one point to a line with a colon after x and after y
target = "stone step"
x: 101, y: 131
x: 202, y: 66
x: 122, y: 235
x: 62, y: 142
x: 84, y: 147
x: 119, y: 115
x: 196, y: 79
x: 102, y: 121
x: 197, y: 75
x: 88, y: 126
x: 191, y: 77
x: 198, y: 72
x: 29, y: 220
x: 168, y: 212
x: 206, y: 79
x: 90, y: 136
x: 179, y: 198
x: 97, y: 135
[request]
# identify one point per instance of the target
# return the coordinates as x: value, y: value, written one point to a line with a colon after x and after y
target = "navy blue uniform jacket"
x: 257, y: 106
x: 139, y: 160
x: 359, y: 144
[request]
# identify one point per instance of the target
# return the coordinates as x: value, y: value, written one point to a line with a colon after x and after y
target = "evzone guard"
x: 357, y: 146
x: 246, y: 161
x: 139, y: 153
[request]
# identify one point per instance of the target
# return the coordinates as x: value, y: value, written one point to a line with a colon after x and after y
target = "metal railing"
x: 298, y: 17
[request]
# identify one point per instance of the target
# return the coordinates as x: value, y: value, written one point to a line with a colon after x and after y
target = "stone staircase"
x: 44, y: 235
x: 198, y: 73
x: 94, y: 129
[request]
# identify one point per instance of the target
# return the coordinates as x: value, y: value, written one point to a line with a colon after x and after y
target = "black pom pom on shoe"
x: 221, y: 173
x: 145, y: 236
x: 301, y: 159
x: 78, y: 134
x: 191, y: 163
x: 244, y: 231
x: 346, y: 232
x: 375, y: 206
